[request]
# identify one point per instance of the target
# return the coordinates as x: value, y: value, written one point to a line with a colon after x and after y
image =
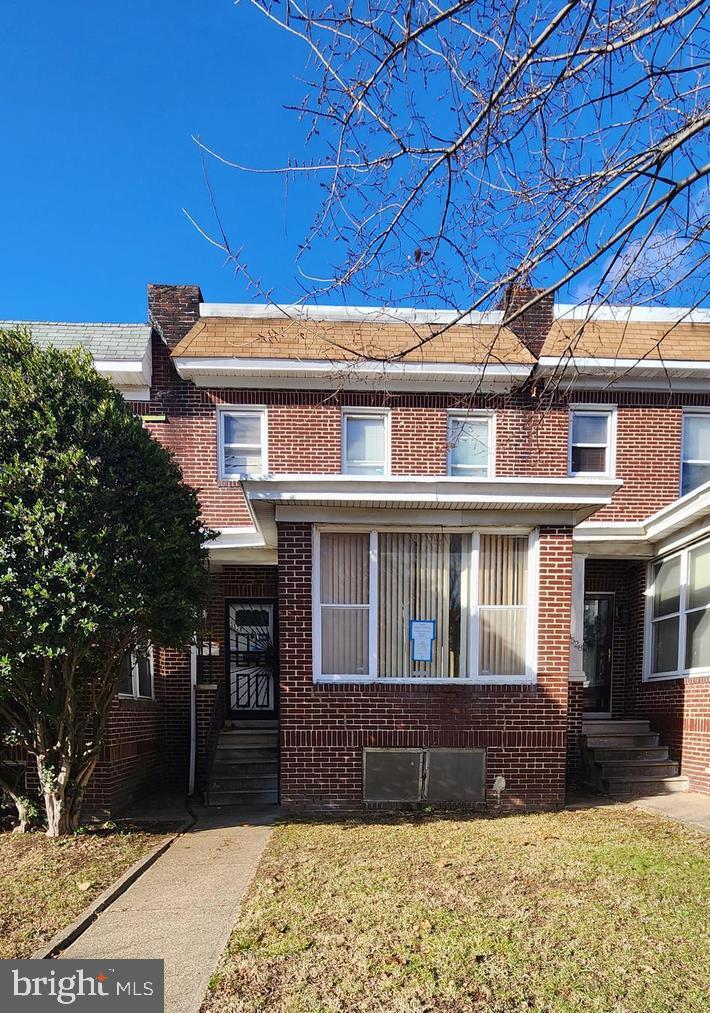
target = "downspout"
x: 193, y: 719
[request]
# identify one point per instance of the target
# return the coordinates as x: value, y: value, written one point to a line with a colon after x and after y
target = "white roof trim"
x: 623, y: 314
x: 353, y: 314
x: 248, y: 371
x: 245, y: 545
x: 602, y: 365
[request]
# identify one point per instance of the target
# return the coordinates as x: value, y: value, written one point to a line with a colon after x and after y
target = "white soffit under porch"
x: 564, y: 501
x: 245, y: 371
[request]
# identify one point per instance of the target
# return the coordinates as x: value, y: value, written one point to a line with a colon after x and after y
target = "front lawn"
x: 603, y: 909
x: 45, y: 884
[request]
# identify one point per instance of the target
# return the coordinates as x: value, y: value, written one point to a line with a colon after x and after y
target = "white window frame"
x: 136, y: 695
x: 683, y: 612
x: 472, y: 416
x: 687, y: 413
x: 386, y: 415
x: 252, y: 410
x: 469, y: 598
x: 593, y: 409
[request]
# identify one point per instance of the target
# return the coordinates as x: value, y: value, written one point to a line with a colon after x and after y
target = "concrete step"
x: 621, y: 741
x: 251, y: 726
x: 628, y: 771
x: 602, y: 726
x: 638, y: 786
x: 606, y: 754
x: 242, y: 753
x: 245, y: 768
x: 242, y: 797
x: 240, y: 738
x: 263, y: 782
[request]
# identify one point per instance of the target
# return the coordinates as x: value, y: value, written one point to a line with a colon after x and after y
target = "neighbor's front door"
x: 251, y: 660
x: 598, y: 653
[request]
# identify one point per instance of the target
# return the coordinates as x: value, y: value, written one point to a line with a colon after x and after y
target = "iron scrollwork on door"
x: 252, y: 657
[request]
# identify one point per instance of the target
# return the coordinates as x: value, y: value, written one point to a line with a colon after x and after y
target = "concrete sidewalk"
x: 183, y: 908
x: 688, y: 807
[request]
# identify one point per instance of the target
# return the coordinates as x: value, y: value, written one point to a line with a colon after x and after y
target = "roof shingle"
x: 346, y: 340
x: 102, y: 341
x: 633, y: 339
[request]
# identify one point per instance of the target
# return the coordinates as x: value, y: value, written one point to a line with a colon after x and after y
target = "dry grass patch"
x: 45, y: 884
x: 595, y: 911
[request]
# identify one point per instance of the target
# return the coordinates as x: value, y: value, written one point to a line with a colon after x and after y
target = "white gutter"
x: 193, y: 719
x: 241, y: 371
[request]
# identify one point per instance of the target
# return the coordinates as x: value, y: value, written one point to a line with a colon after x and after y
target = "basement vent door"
x: 424, y: 775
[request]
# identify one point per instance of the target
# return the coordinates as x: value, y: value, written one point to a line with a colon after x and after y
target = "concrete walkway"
x: 689, y: 807
x: 183, y: 908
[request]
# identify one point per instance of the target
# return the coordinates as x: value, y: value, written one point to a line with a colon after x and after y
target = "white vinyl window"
x: 678, y: 614
x: 470, y: 444
x: 365, y: 441
x: 695, y: 468
x: 424, y: 605
x: 136, y: 678
x: 242, y: 442
x: 591, y: 441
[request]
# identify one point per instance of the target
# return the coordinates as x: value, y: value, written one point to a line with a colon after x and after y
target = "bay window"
x: 678, y: 625
x: 412, y: 605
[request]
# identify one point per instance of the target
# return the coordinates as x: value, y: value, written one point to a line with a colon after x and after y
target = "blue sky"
x: 98, y: 104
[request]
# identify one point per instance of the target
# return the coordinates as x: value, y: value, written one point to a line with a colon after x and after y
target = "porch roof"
x: 674, y: 525
x: 431, y: 501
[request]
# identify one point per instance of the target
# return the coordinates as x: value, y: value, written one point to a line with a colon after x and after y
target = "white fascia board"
x: 241, y: 372
x: 235, y: 538
x: 353, y: 314
x: 623, y: 314
x: 241, y: 545
x: 134, y: 393
x: 126, y: 372
x: 593, y: 365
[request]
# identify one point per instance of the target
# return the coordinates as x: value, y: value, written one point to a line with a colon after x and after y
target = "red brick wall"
x: 324, y: 728
x: 531, y: 436
x: 575, y: 714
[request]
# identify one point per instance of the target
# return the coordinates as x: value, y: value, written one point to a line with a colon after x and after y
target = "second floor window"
x: 695, y: 468
x: 242, y: 443
x: 591, y: 442
x: 470, y: 445
x: 365, y: 442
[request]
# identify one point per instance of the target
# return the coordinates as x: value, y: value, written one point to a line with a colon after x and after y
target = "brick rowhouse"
x: 530, y: 732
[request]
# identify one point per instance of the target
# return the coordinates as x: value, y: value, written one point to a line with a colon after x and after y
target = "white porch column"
x: 576, y: 657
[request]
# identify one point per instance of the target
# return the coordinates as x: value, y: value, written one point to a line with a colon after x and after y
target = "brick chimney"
x: 531, y: 327
x: 172, y: 310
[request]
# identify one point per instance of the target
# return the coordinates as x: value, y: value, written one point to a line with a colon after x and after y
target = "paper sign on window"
x: 422, y: 634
